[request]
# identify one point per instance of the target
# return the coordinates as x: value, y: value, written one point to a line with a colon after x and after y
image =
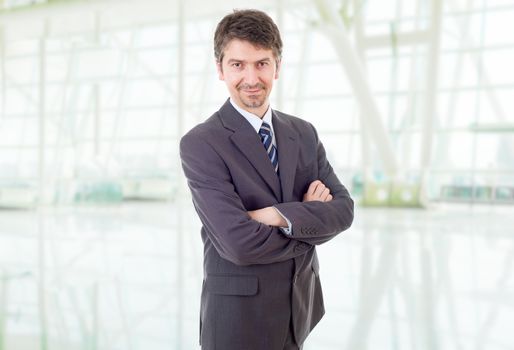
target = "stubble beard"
x: 252, y: 101
x: 256, y: 102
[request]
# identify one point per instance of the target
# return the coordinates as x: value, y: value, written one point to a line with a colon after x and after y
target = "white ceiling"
x: 64, y: 17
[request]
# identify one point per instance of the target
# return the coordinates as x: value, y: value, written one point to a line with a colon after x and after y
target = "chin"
x: 253, y: 103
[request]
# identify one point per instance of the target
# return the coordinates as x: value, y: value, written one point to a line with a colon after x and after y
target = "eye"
x: 236, y: 65
x: 263, y: 63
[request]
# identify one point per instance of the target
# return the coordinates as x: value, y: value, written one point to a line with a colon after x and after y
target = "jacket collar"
x: 249, y: 144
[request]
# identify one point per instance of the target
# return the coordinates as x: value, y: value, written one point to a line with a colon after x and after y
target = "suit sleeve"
x: 234, y: 234
x: 317, y: 222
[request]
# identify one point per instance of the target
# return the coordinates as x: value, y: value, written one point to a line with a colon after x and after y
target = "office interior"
x: 100, y: 245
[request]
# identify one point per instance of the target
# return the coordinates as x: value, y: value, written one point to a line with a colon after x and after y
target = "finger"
x: 320, y: 184
x: 329, y: 198
x: 313, y: 186
x: 325, y: 194
x: 319, y: 190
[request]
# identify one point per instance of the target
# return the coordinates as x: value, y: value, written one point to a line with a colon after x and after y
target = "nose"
x: 251, y: 75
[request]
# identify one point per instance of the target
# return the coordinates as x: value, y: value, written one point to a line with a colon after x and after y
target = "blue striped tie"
x: 267, y: 140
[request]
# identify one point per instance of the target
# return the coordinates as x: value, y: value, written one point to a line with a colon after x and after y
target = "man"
x: 265, y: 194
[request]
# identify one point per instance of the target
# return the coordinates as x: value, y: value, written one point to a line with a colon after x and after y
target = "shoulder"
x: 205, y: 131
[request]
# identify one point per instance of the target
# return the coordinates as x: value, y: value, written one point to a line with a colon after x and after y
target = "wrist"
x: 278, y: 219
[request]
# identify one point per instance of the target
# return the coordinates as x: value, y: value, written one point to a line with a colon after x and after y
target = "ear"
x: 219, y: 69
x: 278, y: 69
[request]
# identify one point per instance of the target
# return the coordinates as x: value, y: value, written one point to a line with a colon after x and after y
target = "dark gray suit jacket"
x: 256, y: 278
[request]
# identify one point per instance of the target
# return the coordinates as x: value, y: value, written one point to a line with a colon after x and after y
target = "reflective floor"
x: 128, y: 278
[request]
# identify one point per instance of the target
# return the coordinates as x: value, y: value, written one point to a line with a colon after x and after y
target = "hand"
x: 268, y: 216
x: 317, y: 191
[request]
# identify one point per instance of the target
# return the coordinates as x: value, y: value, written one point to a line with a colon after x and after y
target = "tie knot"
x: 267, y: 140
x: 265, y: 129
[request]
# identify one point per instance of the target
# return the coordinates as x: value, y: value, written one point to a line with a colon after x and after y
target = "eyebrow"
x: 267, y: 59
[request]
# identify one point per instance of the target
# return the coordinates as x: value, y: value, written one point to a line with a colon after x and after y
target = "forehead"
x: 244, y: 50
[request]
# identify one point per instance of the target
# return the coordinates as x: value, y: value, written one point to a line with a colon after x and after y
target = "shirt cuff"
x: 289, y: 229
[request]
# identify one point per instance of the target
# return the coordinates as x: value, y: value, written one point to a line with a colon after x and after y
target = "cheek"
x: 233, y: 81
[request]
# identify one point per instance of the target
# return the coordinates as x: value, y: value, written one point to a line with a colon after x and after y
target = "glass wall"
x: 92, y: 111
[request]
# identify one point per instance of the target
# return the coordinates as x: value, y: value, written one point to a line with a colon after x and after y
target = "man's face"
x: 249, y: 72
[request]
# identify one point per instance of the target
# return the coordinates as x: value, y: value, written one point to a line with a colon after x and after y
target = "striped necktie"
x: 267, y: 140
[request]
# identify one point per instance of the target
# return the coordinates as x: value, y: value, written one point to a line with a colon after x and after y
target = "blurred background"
x: 413, y: 100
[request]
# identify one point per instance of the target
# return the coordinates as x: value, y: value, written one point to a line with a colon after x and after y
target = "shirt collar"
x: 253, y: 119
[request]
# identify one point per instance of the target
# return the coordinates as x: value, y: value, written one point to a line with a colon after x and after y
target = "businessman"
x: 266, y: 196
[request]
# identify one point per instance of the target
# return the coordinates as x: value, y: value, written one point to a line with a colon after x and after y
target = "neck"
x: 258, y: 111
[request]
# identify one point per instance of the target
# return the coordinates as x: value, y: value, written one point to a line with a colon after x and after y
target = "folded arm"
x: 326, y: 209
x: 228, y: 225
x: 317, y: 191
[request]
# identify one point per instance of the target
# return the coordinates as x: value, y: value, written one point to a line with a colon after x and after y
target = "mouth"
x: 251, y: 89
x: 252, y: 92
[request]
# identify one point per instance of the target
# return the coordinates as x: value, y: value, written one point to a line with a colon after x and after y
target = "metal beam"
x: 2, y: 73
x: 42, y: 115
x: 398, y: 39
x: 179, y: 214
x: 301, y: 71
x: 367, y: 168
x: 335, y: 30
x: 493, y: 127
x: 432, y: 81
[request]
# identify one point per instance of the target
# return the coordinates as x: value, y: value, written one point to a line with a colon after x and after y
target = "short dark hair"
x: 251, y: 25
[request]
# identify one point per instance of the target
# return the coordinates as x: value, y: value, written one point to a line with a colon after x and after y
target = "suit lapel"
x: 288, y: 147
x: 248, y: 142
